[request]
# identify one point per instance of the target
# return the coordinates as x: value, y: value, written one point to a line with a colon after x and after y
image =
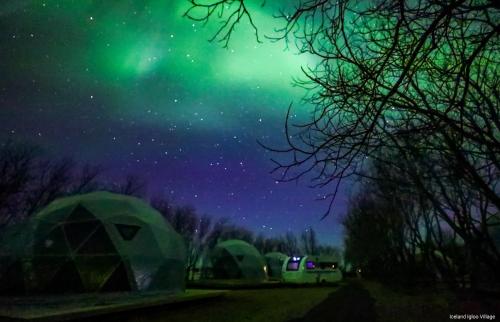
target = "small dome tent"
x: 95, y: 242
x: 236, y: 259
x: 274, y: 261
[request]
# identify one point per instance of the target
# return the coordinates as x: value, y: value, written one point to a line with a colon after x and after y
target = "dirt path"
x: 351, y: 303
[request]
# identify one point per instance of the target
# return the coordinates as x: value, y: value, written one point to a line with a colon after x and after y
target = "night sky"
x: 136, y: 88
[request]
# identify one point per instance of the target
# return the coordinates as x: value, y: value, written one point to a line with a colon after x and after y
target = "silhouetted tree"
x: 330, y: 251
x: 16, y: 172
x: 374, y: 237
x: 271, y: 244
x: 29, y: 180
x: 185, y: 221
x: 260, y: 243
x: 386, y: 69
x: 200, y: 233
x: 291, y: 244
x: 309, y: 242
x: 133, y: 185
x: 87, y: 180
x: 236, y: 232
x: 418, y: 80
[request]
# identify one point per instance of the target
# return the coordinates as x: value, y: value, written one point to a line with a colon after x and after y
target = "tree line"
x: 395, y: 233
x: 202, y: 232
x: 29, y: 181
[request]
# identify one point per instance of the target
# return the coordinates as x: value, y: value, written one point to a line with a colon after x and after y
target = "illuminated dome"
x: 236, y: 259
x: 274, y: 261
x: 96, y: 242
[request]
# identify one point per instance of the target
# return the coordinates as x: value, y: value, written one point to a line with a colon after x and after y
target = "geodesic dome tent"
x: 274, y: 261
x: 96, y: 242
x: 236, y: 259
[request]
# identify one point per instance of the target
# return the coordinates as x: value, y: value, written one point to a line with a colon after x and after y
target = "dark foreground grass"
x: 428, y: 304
x: 353, y: 300
x: 269, y: 305
x: 351, y: 303
x: 370, y: 301
x: 424, y: 305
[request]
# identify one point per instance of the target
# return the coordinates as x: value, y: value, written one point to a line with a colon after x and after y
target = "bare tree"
x: 389, y: 68
x: 87, y: 179
x: 16, y: 171
x: 260, y: 243
x: 29, y: 180
x: 200, y: 233
x: 52, y: 180
x: 309, y: 242
x: 436, y: 225
x: 330, y: 251
x: 132, y: 186
x: 231, y: 11
x: 405, y: 78
x: 292, y: 245
x: 273, y: 244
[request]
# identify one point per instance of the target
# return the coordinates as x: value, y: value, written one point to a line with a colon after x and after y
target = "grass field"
x: 428, y: 304
x: 416, y: 306
x: 273, y: 305
x: 351, y: 301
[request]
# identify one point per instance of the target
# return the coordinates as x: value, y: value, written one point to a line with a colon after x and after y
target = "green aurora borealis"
x: 136, y: 87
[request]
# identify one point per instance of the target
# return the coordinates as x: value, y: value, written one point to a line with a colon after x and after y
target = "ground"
x: 279, y: 304
x: 350, y: 303
x: 352, y: 300
x: 430, y: 303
